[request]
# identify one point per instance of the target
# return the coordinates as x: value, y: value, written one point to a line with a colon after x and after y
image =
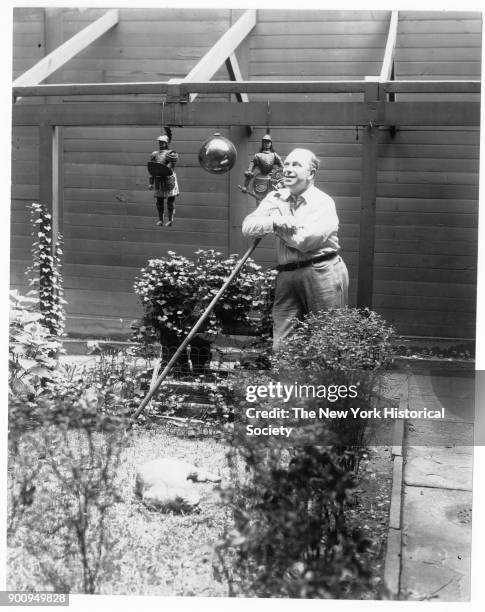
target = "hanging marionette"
x: 163, y: 180
x: 265, y: 170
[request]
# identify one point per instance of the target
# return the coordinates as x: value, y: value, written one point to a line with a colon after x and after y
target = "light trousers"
x: 319, y: 286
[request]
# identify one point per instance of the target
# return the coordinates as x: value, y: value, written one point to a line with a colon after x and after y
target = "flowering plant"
x: 174, y: 292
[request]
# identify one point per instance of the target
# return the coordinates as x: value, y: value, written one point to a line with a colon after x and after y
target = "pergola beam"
x: 388, y: 61
x: 234, y: 87
x: 252, y: 113
x: 234, y: 71
x: 55, y: 60
x: 222, y: 49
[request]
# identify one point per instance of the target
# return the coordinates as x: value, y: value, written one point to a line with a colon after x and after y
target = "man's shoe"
x: 160, y: 223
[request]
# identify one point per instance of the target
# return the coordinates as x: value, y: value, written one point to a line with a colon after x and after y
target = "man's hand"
x: 285, y: 223
x: 150, y: 187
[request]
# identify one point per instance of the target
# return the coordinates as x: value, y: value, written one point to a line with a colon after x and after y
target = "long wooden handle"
x: 194, y: 330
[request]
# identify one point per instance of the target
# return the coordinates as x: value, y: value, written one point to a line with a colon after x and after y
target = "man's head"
x: 299, y: 170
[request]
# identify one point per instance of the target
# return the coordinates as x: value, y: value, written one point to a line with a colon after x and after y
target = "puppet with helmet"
x: 265, y: 170
x: 163, y: 180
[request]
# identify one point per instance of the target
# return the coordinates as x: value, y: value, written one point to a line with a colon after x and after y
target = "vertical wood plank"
x: 57, y: 181
x: 368, y: 192
x: 51, y: 174
x: 239, y: 203
x: 53, y: 37
x: 46, y: 144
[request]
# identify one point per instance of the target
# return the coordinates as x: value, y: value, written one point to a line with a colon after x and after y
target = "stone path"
x: 436, y: 500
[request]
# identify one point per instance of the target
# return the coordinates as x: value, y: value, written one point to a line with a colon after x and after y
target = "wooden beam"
x: 233, y: 87
x: 238, y: 201
x: 46, y: 148
x: 388, y: 60
x: 234, y: 71
x: 67, y: 50
x: 51, y: 174
x: 471, y: 87
x: 368, y: 195
x: 222, y: 49
x: 58, y: 181
x: 53, y: 33
x: 252, y: 113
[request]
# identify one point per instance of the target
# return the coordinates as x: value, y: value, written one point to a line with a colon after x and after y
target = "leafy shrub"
x: 174, y: 291
x: 63, y: 462
x: 31, y: 346
x: 339, y: 339
x: 290, y: 537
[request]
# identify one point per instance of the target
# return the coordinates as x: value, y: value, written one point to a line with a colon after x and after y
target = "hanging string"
x: 268, y: 116
x: 163, y: 116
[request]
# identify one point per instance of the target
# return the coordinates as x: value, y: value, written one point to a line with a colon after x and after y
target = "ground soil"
x: 369, y: 512
x: 173, y: 554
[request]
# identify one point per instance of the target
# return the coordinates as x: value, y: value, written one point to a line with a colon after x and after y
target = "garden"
x: 305, y: 519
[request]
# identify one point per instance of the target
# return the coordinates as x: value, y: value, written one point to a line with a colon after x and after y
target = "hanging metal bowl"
x: 217, y: 155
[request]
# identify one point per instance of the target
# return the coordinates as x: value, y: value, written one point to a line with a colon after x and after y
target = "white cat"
x: 168, y: 484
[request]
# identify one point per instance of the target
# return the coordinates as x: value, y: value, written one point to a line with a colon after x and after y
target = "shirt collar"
x: 285, y: 193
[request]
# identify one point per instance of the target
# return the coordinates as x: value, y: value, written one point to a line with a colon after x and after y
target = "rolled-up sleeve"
x: 260, y: 222
x: 315, y: 229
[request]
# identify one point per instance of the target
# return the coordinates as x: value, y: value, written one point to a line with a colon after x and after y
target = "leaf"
x: 27, y: 364
x: 41, y: 372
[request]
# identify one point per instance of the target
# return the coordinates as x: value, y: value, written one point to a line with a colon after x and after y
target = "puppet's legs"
x: 170, y: 209
x: 160, y: 209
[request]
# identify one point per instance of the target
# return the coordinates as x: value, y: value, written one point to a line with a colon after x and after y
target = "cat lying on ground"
x: 168, y: 484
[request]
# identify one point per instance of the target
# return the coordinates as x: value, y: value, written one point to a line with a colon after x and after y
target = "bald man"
x: 311, y: 274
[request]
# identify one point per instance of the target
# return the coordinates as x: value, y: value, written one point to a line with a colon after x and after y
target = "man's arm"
x: 266, y: 219
x: 315, y: 231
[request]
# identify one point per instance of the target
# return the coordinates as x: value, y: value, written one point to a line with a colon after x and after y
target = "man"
x: 312, y: 276
x: 164, y: 186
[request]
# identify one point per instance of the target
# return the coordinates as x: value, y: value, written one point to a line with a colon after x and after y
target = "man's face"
x: 162, y: 144
x: 266, y: 145
x: 297, y: 171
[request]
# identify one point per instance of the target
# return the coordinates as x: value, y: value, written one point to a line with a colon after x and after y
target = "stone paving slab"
x: 436, y: 544
x: 457, y: 385
x: 448, y: 468
x: 455, y: 409
x: 430, y: 432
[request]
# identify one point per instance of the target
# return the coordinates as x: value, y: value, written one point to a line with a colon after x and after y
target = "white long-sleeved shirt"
x: 316, y: 218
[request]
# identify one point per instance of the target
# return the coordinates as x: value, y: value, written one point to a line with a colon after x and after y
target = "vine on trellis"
x: 45, y: 273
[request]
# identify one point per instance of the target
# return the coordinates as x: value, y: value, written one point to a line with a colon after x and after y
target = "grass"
x: 172, y: 554
x: 153, y: 553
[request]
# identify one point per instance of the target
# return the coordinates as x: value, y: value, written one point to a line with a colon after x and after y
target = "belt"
x: 303, y: 264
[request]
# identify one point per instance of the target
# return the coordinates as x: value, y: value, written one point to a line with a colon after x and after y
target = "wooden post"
x: 238, y: 202
x: 368, y: 194
x: 57, y: 181
x: 51, y: 174
x: 46, y: 143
